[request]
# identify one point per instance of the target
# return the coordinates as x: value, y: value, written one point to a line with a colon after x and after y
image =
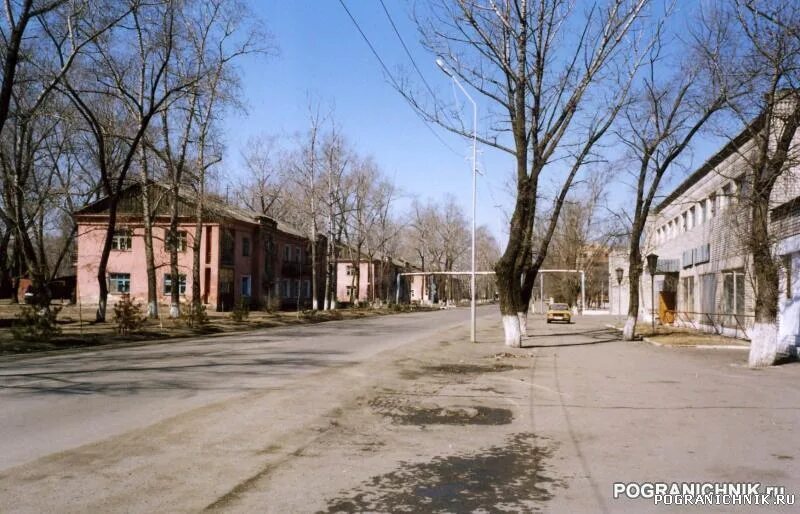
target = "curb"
x: 699, y: 346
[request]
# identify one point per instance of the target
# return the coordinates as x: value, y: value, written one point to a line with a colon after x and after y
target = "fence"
x: 725, y: 324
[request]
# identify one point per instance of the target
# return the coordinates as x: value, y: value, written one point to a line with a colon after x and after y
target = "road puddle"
x: 511, y: 477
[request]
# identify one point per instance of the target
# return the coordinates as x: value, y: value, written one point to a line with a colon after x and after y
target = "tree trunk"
x: 197, y: 300
x: 508, y: 289
x: 150, y: 263
x: 314, y: 302
x: 102, y: 266
x: 175, y: 293
x: 634, y: 278
x: 765, y: 347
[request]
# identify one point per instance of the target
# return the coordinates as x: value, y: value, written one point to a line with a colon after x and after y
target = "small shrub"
x: 128, y: 316
x: 36, y: 325
x: 240, y: 312
x: 195, y: 315
x: 335, y: 314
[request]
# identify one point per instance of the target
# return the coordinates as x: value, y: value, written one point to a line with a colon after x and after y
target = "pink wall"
x: 91, y: 237
x: 343, y: 281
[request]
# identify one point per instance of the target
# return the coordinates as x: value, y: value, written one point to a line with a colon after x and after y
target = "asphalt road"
x: 53, y: 403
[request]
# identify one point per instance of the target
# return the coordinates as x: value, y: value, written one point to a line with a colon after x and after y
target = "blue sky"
x: 321, y: 54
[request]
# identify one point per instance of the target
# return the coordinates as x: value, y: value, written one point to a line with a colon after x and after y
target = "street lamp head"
x: 620, y: 273
x: 442, y: 66
x: 652, y: 263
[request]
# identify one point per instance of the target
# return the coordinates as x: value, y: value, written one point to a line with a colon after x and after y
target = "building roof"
x: 215, y: 207
x: 726, y: 151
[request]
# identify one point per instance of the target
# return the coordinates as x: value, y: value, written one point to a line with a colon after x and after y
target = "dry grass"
x: 78, y: 330
x: 680, y: 336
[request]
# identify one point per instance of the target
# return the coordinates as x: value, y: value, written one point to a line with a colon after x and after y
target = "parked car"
x: 558, y: 312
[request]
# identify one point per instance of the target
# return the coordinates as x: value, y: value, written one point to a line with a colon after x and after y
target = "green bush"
x: 241, y: 311
x: 128, y: 316
x: 33, y: 325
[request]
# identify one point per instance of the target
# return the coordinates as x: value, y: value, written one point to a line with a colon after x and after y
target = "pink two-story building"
x: 244, y: 256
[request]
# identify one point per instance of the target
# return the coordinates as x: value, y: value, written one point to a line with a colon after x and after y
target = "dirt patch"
x: 509, y: 355
x: 508, y: 478
x: 454, y: 369
x: 452, y: 416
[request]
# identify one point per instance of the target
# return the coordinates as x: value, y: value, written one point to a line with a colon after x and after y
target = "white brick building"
x: 704, y: 274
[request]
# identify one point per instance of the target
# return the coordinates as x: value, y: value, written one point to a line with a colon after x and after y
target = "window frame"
x: 114, y: 278
x: 122, y: 234
x: 181, y: 284
x: 249, y: 280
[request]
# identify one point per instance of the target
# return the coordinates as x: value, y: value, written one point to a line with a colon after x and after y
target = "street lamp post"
x: 443, y: 67
x: 652, y: 266
x: 620, y: 273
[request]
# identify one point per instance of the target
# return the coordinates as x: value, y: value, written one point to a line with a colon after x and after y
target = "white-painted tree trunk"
x: 766, y: 347
x: 523, y: 323
x: 629, y: 330
x: 314, y: 304
x: 511, y: 329
x: 174, y: 311
x: 152, y: 310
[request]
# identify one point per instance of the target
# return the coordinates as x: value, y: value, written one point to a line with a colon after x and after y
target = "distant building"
x: 244, y: 256
x: 377, y: 280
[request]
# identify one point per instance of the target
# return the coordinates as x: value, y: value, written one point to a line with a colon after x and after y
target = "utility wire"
x: 394, y: 82
x: 408, y: 52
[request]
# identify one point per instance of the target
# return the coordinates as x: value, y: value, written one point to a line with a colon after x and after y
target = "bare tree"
x: 104, y: 91
x: 668, y: 111
x: 41, y: 42
x: 543, y: 69
x: 766, y: 59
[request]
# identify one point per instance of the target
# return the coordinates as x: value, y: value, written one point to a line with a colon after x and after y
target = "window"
x: 287, y: 252
x: 704, y: 211
x: 245, y: 247
x: 669, y: 229
x: 121, y: 240
x: 688, y: 295
x: 208, y: 245
x: 247, y: 289
x: 350, y: 271
x: 708, y: 292
x: 285, y: 290
x: 307, y: 288
x: 119, y: 282
x: 228, y: 247
x: 725, y: 201
x: 297, y: 253
x: 733, y: 295
x: 712, y: 206
x: 684, y: 226
x: 180, y: 240
x: 168, y: 284
x: 692, y: 220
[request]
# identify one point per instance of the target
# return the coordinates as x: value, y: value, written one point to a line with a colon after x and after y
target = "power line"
x: 408, y: 52
x: 394, y: 82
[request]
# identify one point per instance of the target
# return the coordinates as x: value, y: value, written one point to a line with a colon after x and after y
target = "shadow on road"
x: 585, y: 337
x: 136, y: 372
